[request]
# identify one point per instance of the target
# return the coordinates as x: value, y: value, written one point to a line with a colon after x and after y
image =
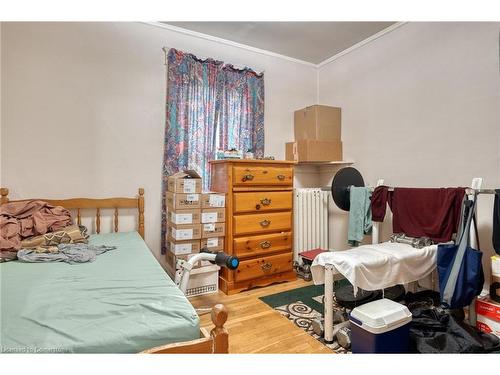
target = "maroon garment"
x: 420, y: 212
x: 379, y: 199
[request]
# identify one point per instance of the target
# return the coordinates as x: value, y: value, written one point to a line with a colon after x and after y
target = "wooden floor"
x: 255, y: 327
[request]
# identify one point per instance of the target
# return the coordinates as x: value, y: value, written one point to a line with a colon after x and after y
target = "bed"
x: 123, y: 302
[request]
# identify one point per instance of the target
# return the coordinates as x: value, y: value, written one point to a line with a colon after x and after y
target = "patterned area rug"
x: 302, y: 306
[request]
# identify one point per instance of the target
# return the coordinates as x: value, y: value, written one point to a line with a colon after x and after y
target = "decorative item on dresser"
x: 259, y: 203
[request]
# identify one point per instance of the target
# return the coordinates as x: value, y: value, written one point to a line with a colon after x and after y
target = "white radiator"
x: 310, y: 220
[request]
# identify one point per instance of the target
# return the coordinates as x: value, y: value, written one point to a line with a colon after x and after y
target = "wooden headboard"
x: 97, y: 204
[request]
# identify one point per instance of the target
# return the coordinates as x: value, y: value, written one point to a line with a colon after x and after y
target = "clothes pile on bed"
x: 69, y: 253
x: 35, y: 231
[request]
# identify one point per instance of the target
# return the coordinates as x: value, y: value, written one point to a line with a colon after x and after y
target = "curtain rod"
x: 258, y: 71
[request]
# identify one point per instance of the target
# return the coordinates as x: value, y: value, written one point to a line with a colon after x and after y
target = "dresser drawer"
x: 262, y: 223
x: 264, y: 244
x: 255, y: 268
x: 262, y: 201
x: 262, y: 175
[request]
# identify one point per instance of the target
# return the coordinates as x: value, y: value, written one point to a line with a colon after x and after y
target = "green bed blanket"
x: 123, y: 302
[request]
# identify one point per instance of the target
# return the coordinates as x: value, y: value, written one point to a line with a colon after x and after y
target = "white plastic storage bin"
x: 203, y: 280
x: 381, y: 326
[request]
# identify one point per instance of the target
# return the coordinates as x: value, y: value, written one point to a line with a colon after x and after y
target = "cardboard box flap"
x: 190, y: 173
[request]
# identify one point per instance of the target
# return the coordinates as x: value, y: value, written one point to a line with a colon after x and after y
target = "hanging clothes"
x: 360, y: 215
x: 496, y: 222
x: 420, y: 212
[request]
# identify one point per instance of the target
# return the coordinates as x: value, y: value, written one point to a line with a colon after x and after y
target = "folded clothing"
x: 7, y: 255
x: 69, y: 253
x: 22, y: 219
x: 69, y: 234
x: 420, y: 212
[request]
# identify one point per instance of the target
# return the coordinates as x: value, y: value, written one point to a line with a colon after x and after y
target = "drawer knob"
x: 247, y: 177
x: 265, y: 201
x: 265, y: 223
x: 266, y: 267
x: 281, y: 177
x: 265, y: 244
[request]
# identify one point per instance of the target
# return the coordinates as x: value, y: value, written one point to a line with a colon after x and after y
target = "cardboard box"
x: 319, y: 122
x: 312, y: 150
x: 213, y: 230
x: 488, y: 315
x: 213, y: 244
x: 184, y: 232
x: 181, y: 201
x: 213, y: 215
x: 211, y: 199
x: 186, y: 182
x: 184, y: 247
x: 172, y: 260
x: 487, y: 325
x: 487, y: 307
x: 192, y: 216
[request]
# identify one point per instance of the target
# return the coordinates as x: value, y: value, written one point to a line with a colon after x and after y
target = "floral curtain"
x: 240, y: 110
x: 209, y: 105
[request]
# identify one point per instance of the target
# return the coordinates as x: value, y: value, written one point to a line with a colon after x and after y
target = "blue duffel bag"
x: 460, y: 267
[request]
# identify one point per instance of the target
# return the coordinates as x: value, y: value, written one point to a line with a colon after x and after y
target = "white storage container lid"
x: 380, y: 316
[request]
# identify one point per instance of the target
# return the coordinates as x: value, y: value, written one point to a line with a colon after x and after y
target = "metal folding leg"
x: 328, y: 324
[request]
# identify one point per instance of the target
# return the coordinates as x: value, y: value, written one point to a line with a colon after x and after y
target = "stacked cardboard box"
x: 488, y: 315
x: 317, y: 131
x: 183, y: 216
x: 213, y: 221
x: 194, y: 219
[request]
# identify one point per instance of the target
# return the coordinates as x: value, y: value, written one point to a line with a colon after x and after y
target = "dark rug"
x: 302, y: 305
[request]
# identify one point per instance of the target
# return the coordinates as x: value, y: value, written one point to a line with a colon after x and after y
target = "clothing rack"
x: 467, y: 190
x: 480, y: 191
x: 475, y: 187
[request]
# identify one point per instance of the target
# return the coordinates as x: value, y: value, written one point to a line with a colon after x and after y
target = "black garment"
x: 496, y: 222
x: 436, y: 330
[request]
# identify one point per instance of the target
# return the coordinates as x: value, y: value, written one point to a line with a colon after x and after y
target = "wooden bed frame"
x: 215, y: 341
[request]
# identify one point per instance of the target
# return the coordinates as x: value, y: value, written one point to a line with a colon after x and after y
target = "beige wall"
x: 421, y: 107
x: 84, y: 108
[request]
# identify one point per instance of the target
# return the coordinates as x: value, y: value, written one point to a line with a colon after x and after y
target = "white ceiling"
x: 313, y: 42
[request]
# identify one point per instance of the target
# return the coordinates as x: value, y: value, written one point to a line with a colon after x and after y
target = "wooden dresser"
x: 259, y: 212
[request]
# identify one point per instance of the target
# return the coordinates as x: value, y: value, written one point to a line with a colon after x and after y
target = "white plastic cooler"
x: 381, y: 326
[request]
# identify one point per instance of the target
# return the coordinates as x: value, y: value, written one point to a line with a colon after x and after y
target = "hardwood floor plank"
x: 255, y: 327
